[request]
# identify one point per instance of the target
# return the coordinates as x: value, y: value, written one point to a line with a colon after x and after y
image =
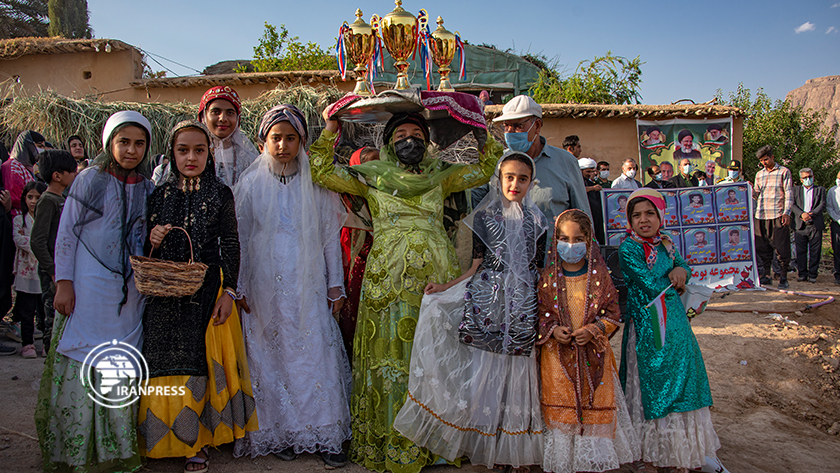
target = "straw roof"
x: 18, y: 47
x: 650, y: 112
x: 249, y: 78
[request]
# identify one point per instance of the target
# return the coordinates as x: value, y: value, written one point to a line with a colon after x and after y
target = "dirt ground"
x: 776, y: 388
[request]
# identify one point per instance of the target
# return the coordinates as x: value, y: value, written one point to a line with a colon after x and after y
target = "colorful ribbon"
x: 423, y: 39
x: 340, y: 53
x: 462, y: 62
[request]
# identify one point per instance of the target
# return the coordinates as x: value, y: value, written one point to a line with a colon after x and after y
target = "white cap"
x: 587, y: 163
x: 520, y: 106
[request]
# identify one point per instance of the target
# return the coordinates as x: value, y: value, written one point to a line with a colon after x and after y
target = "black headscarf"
x: 192, y: 210
x: 403, y: 118
x: 24, y: 149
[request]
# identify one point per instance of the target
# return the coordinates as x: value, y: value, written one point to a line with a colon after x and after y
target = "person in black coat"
x: 808, y: 208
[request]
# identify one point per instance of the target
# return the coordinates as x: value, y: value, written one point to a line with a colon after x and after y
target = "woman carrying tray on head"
x: 195, y: 341
x: 405, y: 191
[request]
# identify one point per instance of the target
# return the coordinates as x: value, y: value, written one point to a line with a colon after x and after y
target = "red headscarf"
x: 219, y: 92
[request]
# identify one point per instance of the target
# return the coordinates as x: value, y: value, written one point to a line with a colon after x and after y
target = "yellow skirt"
x: 213, y: 410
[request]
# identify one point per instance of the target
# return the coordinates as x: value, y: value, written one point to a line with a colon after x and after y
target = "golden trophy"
x: 359, y: 41
x: 443, y: 51
x: 399, y: 33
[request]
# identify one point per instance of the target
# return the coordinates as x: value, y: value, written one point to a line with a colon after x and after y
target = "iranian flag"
x: 659, y: 318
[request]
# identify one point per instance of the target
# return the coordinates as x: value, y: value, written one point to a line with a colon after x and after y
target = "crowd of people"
x: 364, y: 344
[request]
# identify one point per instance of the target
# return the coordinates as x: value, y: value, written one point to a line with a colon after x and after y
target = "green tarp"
x: 487, y: 68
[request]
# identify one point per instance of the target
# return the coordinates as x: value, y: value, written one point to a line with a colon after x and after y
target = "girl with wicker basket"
x: 103, y: 223
x: 292, y: 277
x: 193, y: 213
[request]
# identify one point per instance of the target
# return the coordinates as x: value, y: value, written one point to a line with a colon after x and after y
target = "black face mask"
x: 410, y: 150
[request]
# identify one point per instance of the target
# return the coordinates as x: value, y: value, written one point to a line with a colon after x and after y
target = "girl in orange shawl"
x: 588, y: 427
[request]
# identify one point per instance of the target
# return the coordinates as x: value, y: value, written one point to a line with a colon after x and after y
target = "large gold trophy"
x: 359, y: 42
x: 399, y: 33
x: 443, y: 51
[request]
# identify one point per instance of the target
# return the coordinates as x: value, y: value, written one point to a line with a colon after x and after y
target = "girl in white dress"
x: 473, y: 386
x: 291, y: 277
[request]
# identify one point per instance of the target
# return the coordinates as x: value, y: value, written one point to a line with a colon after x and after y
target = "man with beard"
x: 685, y: 146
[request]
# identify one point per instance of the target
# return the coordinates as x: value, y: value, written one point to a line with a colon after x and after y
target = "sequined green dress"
x: 410, y: 249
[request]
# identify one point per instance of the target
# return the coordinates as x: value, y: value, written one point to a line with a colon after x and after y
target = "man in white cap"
x: 560, y: 185
x: 593, y: 195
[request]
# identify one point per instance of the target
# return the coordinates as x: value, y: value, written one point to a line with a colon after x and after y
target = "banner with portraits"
x: 707, y: 144
x: 711, y: 227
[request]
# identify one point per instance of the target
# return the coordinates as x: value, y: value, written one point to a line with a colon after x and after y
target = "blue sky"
x: 691, y: 48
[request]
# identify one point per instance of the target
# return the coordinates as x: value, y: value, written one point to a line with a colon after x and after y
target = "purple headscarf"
x: 283, y: 113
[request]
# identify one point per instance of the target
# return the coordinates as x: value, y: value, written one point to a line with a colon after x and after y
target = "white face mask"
x: 630, y: 174
x: 605, y: 174
x: 837, y: 181
x: 687, y: 169
x: 39, y: 150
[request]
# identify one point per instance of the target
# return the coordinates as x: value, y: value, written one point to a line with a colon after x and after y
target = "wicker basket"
x: 155, y: 277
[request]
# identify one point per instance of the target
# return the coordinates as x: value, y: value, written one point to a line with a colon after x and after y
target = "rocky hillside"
x: 822, y: 92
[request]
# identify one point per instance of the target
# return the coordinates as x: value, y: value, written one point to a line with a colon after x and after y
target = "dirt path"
x: 776, y: 389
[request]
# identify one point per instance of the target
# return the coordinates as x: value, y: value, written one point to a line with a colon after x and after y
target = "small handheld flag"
x: 658, y: 312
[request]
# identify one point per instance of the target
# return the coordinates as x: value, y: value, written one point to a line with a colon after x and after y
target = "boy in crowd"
x: 58, y: 168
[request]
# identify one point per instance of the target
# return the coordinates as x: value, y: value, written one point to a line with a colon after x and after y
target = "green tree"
x: 69, y: 19
x: 607, y: 79
x: 20, y: 18
x: 799, y: 137
x: 277, y: 51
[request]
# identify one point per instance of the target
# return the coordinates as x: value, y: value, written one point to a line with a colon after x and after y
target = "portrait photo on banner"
x: 705, y: 143
x: 697, y: 205
x: 700, y: 245
x: 735, y: 243
x: 672, y: 217
x: 732, y: 203
x: 616, y: 209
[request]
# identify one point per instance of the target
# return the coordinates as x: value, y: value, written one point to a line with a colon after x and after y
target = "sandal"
x: 197, y: 460
x: 501, y: 468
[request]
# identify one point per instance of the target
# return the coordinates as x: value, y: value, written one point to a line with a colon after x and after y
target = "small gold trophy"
x: 359, y: 42
x: 399, y: 33
x: 443, y: 51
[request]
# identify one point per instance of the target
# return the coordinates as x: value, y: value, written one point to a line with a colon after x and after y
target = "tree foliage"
x: 277, y: 51
x: 607, y: 79
x: 21, y: 18
x: 69, y: 19
x: 799, y: 137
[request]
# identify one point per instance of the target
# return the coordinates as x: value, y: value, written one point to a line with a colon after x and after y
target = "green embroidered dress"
x: 410, y: 249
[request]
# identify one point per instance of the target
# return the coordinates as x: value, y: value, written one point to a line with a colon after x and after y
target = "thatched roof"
x: 650, y: 112
x: 18, y: 47
x: 227, y: 67
x: 249, y: 78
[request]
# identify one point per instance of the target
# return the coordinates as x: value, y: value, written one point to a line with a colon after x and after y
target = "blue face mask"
x: 519, y: 141
x: 733, y: 174
x: 571, y: 252
x: 808, y: 181
x: 658, y: 177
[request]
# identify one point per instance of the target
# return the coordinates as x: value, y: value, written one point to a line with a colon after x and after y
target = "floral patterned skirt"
x: 76, y: 434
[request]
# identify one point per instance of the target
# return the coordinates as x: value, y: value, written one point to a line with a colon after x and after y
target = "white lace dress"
x: 464, y: 401
x: 299, y: 369
x: 680, y: 439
